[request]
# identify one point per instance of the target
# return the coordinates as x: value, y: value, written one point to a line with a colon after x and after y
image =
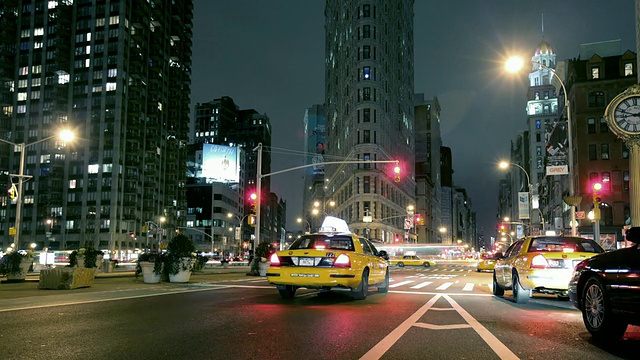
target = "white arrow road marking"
x: 401, y: 283
x: 385, y: 344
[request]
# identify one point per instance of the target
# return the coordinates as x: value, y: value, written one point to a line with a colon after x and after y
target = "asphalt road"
x: 446, y: 312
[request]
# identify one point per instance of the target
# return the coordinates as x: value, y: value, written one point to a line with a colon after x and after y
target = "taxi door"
x: 377, y: 265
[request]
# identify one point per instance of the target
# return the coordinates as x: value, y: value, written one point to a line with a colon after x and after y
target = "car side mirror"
x: 383, y: 254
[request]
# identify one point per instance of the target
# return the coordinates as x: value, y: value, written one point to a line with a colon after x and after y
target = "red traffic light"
x: 596, y: 187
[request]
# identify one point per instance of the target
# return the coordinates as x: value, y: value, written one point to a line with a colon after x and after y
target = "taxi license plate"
x: 306, y: 261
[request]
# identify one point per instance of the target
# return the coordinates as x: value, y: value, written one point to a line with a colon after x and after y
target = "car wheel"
x: 360, y: 293
x: 401, y: 264
x: 426, y: 264
x: 596, y: 312
x: 520, y: 294
x: 384, y: 287
x: 288, y: 292
x: 497, y: 289
x: 478, y: 270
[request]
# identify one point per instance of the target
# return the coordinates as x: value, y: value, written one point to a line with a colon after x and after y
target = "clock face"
x: 627, y: 114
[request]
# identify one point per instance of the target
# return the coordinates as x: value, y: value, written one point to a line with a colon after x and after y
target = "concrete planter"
x: 148, y: 276
x: 66, y: 278
x: 262, y: 268
x: 183, y: 276
x: 25, y: 263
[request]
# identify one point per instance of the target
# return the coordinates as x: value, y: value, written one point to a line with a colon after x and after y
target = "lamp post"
x: 300, y: 220
x: 505, y: 165
x: 241, y: 222
x: 65, y: 135
x: 514, y: 64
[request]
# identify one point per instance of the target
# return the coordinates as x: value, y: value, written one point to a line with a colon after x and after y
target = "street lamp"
x: 505, y: 165
x: 300, y: 220
x: 162, y: 220
x: 241, y: 222
x: 514, y: 64
x: 64, y: 135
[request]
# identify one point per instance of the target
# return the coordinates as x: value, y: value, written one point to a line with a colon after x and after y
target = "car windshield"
x: 337, y: 242
x: 564, y: 244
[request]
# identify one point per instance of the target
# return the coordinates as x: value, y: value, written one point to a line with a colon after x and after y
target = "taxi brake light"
x: 539, y: 262
x: 568, y: 250
x: 275, y: 260
x: 320, y: 247
x: 342, y: 261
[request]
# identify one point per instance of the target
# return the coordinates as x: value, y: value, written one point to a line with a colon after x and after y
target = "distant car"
x: 606, y: 289
x: 540, y: 264
x: 333, y: 258
x: 487, y: 262
x: 411, y: 260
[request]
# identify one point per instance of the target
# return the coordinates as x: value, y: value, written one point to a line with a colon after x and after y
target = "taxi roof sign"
x: 335, y: 225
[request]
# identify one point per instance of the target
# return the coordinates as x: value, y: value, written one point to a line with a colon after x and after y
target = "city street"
x: 443, y: 312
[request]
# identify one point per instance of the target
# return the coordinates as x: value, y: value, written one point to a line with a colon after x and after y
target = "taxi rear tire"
x: 384, y: 287
x: 360, y: 293
x: 520, y: 294
x: 426, y: 264
x: 497, y: 289
x: 400, y: 264
x: 288, y: 292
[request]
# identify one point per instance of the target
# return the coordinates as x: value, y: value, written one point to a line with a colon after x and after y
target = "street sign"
x: 408, y: 223
x: 580, y: 215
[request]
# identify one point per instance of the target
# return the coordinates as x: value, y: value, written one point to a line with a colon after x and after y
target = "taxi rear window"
x: 325, y: 242
x: 562, y: 244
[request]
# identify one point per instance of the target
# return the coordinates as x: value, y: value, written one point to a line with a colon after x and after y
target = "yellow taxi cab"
x: 487, y: 261
x: 540, y: 264
x: 410, y: 259
x: 332, y: 258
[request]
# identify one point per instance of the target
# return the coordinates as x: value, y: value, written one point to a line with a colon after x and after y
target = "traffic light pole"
x: 260, y: 175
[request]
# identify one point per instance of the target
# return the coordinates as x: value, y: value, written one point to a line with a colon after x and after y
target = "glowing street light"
x: 300, y: 220
x: 64, y: 135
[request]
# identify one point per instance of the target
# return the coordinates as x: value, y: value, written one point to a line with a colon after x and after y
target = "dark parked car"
x: 606, y: 289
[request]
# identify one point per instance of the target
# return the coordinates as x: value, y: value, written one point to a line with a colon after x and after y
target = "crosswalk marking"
x: 468, y: 287
x: 401, y: 283
x: 444, y: 286
x: 421, y: 285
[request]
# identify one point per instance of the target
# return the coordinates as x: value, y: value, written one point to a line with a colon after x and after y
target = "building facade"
x: 118, y: 74
x: 370, y: 114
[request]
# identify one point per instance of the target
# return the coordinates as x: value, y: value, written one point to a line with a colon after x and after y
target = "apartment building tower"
x: 118, y: 74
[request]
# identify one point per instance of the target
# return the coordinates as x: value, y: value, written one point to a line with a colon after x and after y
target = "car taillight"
x: 275, y: 260
x: 539, y: 262
x: 320, y: 247
x: 342, y: 261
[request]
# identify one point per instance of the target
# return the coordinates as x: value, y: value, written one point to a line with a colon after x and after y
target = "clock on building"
x: 623, y: 112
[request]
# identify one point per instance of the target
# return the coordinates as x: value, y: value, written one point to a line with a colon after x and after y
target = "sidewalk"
x: 118, y: 280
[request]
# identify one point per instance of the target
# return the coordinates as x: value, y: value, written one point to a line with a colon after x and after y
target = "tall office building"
x: 118, y: 74
x: 314, y: 145
x: 370, y: 114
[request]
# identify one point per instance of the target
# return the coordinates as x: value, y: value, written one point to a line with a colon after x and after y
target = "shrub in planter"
x: 263, y: 251
x: 10, y: 263
x: 155, y: 258
x: 179, y: 247
x: 90, y: 257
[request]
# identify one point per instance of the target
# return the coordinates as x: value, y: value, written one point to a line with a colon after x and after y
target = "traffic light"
x: 596, y: 200
x: 251, y: 220
x: 419, y: 219
x: 502, y: 228
x: 253, y: 202
x: 145, y: 228
x: 13, y: 192
x: 396, y: 171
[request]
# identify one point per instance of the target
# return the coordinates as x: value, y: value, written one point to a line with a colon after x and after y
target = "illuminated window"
x: 595, y: 72
x: 628, y: 69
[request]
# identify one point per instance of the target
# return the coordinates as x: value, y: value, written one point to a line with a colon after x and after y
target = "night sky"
x: 268, y: 55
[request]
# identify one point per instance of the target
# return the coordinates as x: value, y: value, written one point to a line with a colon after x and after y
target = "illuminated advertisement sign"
x: 220, y: 163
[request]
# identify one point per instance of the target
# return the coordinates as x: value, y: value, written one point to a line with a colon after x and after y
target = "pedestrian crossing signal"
x: 13, y: 192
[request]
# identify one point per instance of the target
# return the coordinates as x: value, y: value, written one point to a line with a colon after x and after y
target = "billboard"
x: 317, y: 138
x: 220, y: 163
x: 557, y: 148
x: 523, y: 205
